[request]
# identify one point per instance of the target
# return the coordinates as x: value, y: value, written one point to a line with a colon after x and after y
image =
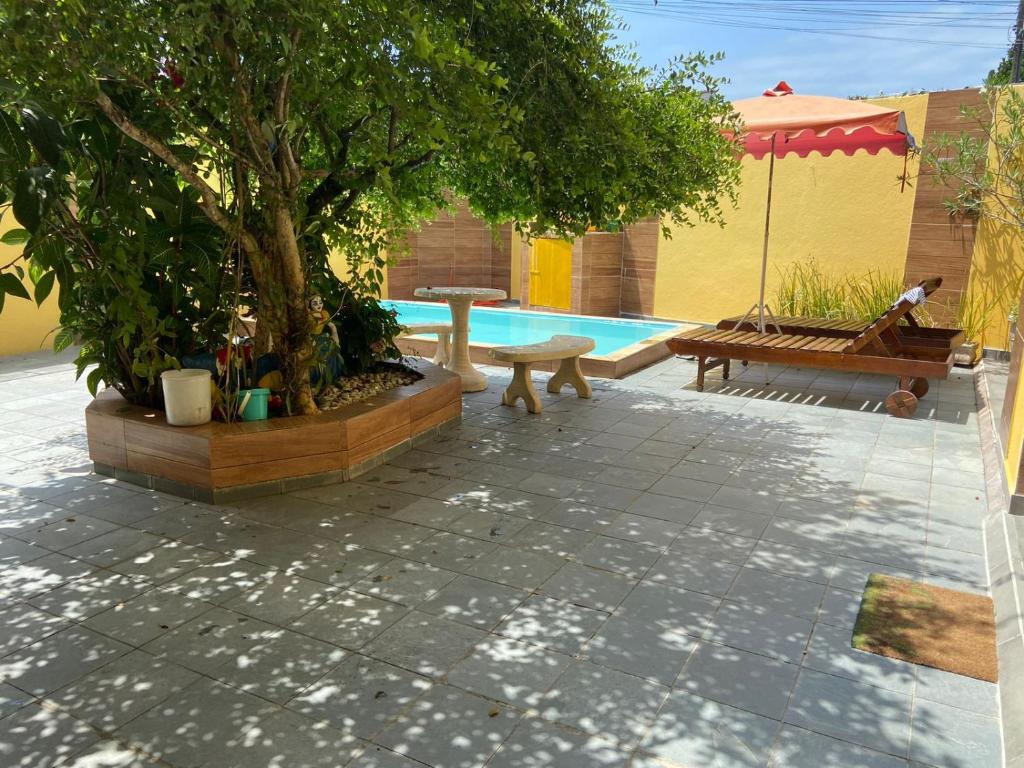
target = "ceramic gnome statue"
x: 322, y: 319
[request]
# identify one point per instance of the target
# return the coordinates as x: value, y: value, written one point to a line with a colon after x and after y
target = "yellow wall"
x: 23, y: 326
x: 848, y: 213
x: 997, y: 270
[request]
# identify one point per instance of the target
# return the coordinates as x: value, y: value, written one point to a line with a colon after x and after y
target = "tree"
x: 304, y: 126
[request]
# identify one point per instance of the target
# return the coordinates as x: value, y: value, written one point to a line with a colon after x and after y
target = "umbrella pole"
x: 767, y: 226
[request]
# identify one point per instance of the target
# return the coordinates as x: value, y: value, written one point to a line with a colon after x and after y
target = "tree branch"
x: 208, y: 197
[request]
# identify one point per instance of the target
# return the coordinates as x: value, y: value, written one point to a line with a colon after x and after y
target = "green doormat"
x: 922, y: 624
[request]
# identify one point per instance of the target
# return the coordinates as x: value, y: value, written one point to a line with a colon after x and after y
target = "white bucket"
x: 186, y: 396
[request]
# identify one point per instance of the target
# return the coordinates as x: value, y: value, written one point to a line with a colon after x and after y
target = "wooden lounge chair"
x: 818, y: 326
x: 911, y: 353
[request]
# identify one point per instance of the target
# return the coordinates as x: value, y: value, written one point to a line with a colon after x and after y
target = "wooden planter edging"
x: 220, y: 462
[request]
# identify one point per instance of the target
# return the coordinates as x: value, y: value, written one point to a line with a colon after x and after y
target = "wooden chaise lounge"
x: 910, y: 353
x: 798, y: 324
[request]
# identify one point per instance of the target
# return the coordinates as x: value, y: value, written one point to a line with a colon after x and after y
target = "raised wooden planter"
x: 219, y: 462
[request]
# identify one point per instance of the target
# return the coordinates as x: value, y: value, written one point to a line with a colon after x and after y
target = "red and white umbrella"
x: 780, y: 123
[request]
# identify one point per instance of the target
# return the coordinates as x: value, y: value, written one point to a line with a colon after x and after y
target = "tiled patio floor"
x: 655, y: 577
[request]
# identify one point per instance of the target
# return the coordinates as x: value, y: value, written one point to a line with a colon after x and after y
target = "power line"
x: 783, y: 16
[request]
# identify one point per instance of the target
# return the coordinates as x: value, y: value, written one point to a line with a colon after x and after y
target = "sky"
x: 929, y: 44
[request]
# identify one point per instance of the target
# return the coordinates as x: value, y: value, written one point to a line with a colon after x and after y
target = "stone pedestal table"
x: 460, y: 300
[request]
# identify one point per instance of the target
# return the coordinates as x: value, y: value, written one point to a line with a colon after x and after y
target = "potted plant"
x: 972, y: 317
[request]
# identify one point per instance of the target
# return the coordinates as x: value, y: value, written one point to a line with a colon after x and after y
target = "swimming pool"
x: 512, y: 326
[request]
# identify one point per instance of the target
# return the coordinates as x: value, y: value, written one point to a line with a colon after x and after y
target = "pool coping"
x: 613, y: 366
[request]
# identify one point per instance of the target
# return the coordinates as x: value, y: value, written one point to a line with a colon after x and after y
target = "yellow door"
x: 551, y: 273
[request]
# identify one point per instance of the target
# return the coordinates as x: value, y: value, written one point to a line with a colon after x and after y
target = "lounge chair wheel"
x: 919, y: 387
x: 901, y: 403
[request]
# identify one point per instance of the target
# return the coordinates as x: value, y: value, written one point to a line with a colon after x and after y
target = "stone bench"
x: 443, y: 352
x: 565, y: 348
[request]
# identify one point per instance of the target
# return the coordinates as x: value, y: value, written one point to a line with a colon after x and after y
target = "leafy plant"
x: 296, y: 127
x: 868, y: 296
x: 974, y: 311
x: 138, y: 264
x: 806, y: 289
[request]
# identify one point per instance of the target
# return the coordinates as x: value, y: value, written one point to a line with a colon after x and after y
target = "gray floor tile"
x: 795, y: 562
x: 475, y: 602
x: 624, y: 557
x: 799, y: 748
x: 558, y: 625
x: 361, y: 695
x: 212, y: 640
x: 59, y: 659
x: 604, y: 702
x: 123, y: 689
x: 697, y: 732
x: 89, y: 595
x: 280, y: 598
x: 110, y: 753
x: 508, y: 670
x: 280, y: 667
x: 945, y: 735
x: 685, y: 488
x: 714, y: 545
x: 516, y: 568
x: 34, y: 737
x: 866, y: 715
x: 196, y: 725
x: 25, y: 581
x: 670, y: 609
x: 377, y: 757
x: 669, y: 508
x: 758, y: 630
x: 978, y: 696
x: 448, y: 727
x: 740, y: 679
x: 349, y: 619
x: 641, y: 649
x: 550, y: 539
x: 286, y: 735
x: 23, y: 625
x: 405, y: 582
x: 831, y: 650
x: 588, y: 586
x: 735, y: 521
x: 584, y: 517
x: 451, y: 552
x: 12, y: 699
x: 694, y: 573
x: 540, y: 744
x: 147, y: 616
x: 425, y: 644
x: 220, y: 580
x: 777, y: 594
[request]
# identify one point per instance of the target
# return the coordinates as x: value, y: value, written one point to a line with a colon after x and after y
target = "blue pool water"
x: 510, y: 326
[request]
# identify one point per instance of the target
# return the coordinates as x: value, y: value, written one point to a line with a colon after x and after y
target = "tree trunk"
x: 280, y: 279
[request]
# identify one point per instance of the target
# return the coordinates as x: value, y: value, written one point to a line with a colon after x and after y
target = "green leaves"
x: 33, y: 193
x: 45, y: 134
x: 13, y: 144
x: 15, y: 236
x: 11, y: 284
x: 44, y: 286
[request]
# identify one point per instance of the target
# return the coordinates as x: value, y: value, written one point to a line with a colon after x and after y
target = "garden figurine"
x: 322, y: 319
